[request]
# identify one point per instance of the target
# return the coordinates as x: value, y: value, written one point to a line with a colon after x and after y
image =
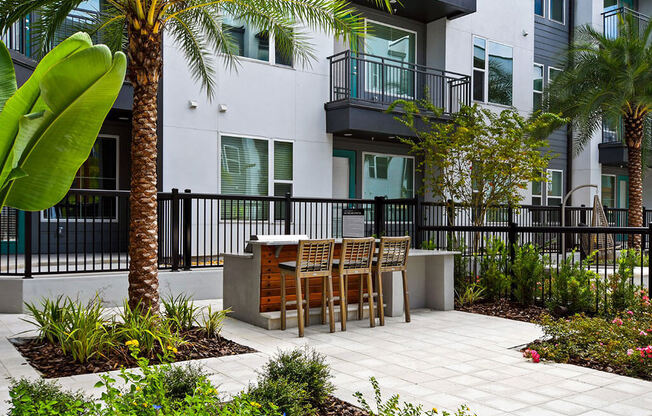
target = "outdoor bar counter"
x: 252, y: 283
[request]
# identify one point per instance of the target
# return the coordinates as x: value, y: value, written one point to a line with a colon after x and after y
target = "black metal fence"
x: 380, y: 80
x: 88, y: 231
x: 612, y: 21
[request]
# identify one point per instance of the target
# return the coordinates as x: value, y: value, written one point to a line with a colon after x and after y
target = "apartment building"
x: 320, y: 129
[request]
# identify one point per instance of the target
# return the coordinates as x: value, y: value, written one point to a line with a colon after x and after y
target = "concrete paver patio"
x: 441, y: 359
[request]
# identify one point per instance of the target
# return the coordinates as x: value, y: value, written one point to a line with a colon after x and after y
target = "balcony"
x: 363, y: 86
x: 612, y: 19
x: 612, y: 150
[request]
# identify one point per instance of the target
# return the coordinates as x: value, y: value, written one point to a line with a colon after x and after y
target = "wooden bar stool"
x: 392, y: 257
x: 314, y: 259
x: 356, y: 258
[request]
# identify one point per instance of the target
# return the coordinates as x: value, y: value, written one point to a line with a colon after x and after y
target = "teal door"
x: 12, y: 230
x: 343, y: 174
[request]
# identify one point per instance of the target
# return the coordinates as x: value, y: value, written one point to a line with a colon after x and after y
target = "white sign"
x: 353, y: 223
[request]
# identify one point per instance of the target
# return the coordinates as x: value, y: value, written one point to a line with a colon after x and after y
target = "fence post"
x: 511, y: 234
x: 644, y: 217
x: 288, y: 212
x: 583, y: 214
x: 379, y: 216
x: 175, y: 230
x: 649, y: 253
x: 187, y: 230
x: 450, y: 221
x: 418, y: 220
x: 28, y: 244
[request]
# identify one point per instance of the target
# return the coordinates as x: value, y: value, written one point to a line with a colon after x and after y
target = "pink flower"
x: 630, y: 351
x: 617, y: 321
x: 630, y: 313
x: 642, y: 333
x: 532, y: 354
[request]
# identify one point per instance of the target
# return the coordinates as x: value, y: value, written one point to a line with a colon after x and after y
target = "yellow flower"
x: 132, y: 342
x: 173, y: 349
x: 145, y: 404
x: 256, y: 405
x: 434, y: 409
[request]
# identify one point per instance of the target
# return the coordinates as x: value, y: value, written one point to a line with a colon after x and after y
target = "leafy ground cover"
x: 77, y: 338
x: 294, y: 383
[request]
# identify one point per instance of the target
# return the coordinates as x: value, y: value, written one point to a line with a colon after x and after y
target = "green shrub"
x: 40, y: 397
x: 48, y: 318
x: 291, y: 398
x: 212, y: 321
x: 181, y: 380
x: 305, y: 367
x: 621, y: 343
x: 472, y: 294
x: 494, y: 275
x: 621, y: 286
x: 392, y: 407
x: 528, y: 273
x: 180, y: 311
x: 573, y: 287
x: 153, y: 335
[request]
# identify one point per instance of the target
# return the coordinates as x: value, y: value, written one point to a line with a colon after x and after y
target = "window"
x: 99, y: 172
x: 611, y: 129
x: 553, y: 73
x: 537, y: 87
x: 537, y: 193
x: 387, y: 175
x: 495, y: 59
x: 608, y: 191
x: 556, y: 10
x: 247, y: 168
x: 250, y: 42
x: 555, y: 186
x: 539, y: 8
x: 398, y: 47
x: 479, y: 66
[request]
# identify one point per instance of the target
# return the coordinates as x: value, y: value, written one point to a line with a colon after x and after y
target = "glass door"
x: 390, y: 71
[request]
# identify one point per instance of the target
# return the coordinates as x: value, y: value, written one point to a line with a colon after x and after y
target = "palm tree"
x: 196, y: 25
x: 609, y: 78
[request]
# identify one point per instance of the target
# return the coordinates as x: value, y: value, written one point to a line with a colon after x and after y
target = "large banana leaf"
x: 57, y: 115
x: 7, y: 76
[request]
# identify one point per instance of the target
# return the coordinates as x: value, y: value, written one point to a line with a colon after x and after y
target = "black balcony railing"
x: 612, y: 21
x: 378, y: 80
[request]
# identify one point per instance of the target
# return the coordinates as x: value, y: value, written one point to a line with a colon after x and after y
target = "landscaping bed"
x: 504, y: 308
x: 52, y: 362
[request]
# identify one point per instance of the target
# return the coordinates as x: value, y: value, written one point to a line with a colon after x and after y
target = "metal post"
x: 28, y: 244
x: 649, y: 253
x: 379, y: 216
x: 187, y: 230
x: 418, y: 220
x: 450, y: 221
x: 175, y: 230
x: 288, y: 213
x: 511, y: 234
x: 583, y: 214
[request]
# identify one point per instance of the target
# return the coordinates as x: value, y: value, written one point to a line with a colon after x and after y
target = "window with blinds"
x: 247, y: 169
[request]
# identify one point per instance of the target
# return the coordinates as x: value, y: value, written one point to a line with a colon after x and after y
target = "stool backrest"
x: 315, y: 257
x: 393, y: 253
x: 357, y: 255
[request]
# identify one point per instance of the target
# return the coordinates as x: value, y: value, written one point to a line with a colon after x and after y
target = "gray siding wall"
x: 550, y: 42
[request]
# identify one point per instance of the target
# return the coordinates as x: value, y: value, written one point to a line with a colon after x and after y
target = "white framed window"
x: 254, y: 166
x: 493, y: 67
x: 98, y: 172
x: 537, y: 193
x: 387, y: 175
x: 553, y: 73
x: 540, y: 8
x: 537, y: 87
x: 555, y: 186
x: 608, y: 191
x: 557, y: 11
x: 252, y: 43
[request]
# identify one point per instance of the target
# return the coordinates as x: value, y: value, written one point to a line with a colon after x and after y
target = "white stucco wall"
x: 263, y: 100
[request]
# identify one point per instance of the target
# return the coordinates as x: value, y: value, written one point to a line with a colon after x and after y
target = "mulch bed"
x: 51, y: 362
x: 337, y: 407
x: 506, y: 309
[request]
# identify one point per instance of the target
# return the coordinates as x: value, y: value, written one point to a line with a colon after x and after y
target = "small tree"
x: 479, y: 159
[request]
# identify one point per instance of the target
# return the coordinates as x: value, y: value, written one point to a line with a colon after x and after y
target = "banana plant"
x: 48, y: 126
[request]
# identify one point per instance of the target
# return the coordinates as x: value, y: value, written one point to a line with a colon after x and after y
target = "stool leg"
x: 406, y: 296
x: 323, y: 300
x: 283, y: 306
x: 344, y: 310
x: 361, y: 300
x: 381, y: 303
x: 331, y: 314
x: 370, y: 292
x: 299, y: 306
x: 306, y: 319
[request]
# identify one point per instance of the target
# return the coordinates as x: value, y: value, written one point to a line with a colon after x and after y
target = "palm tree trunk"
x: 634, y: 139
x: 144, y: 70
